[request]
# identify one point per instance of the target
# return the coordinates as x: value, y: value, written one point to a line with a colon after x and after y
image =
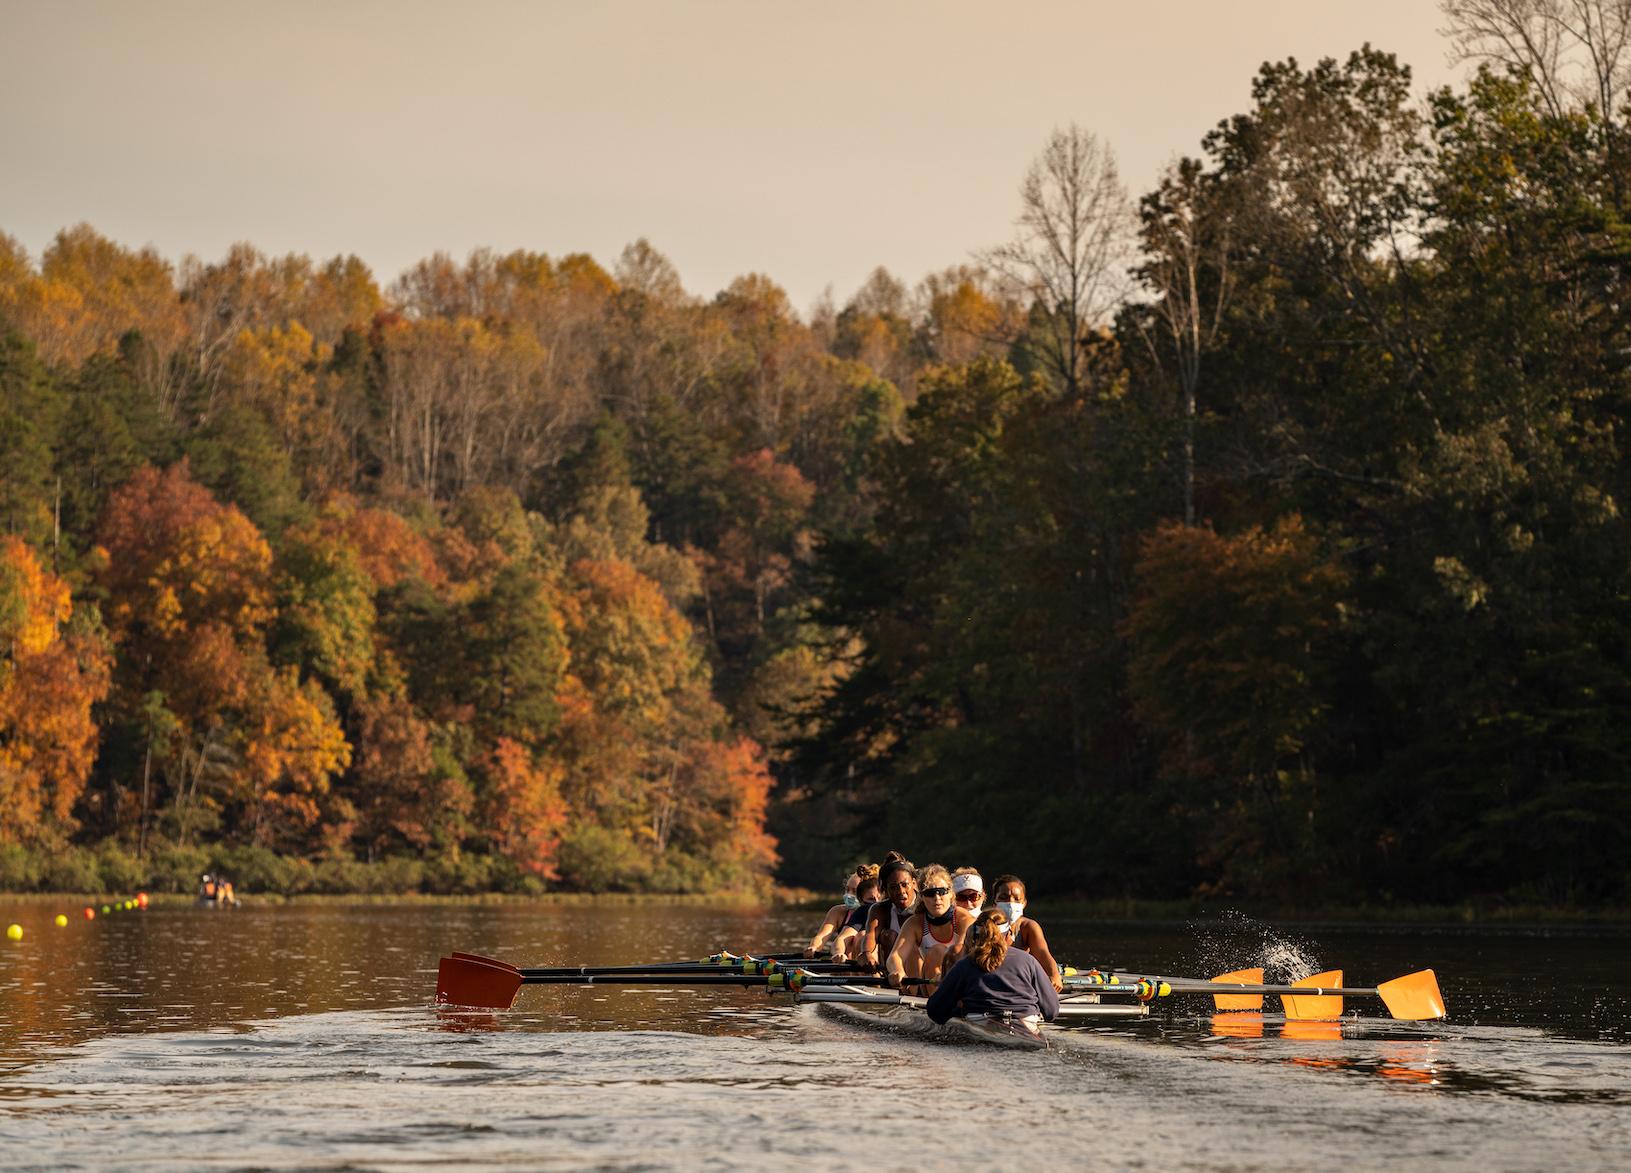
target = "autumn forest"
x: 1255, y: 536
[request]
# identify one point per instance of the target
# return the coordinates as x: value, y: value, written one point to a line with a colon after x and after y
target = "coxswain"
x: 936, y: 928
x: 1008, y: 896
x: 994, y: 980
x: 838, y: 913
x: 846, y: 942
x: 898, y: 879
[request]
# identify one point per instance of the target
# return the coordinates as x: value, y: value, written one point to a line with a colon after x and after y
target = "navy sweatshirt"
x: 1018, y: 986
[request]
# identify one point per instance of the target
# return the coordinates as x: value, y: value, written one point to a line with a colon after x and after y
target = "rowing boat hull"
x: 911, y: 1020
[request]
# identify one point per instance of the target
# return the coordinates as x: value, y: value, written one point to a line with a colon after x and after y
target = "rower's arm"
x: 834, y: 922
x: 905, y: 946
x: 1037, y: 946
x: 869, y: 941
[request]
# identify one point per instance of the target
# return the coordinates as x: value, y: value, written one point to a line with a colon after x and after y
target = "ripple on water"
x: 398, y: 1088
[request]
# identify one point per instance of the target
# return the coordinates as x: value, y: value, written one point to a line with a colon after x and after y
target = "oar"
x: 1414, y: 997
x: 735, y: 965
x: 467, y: 980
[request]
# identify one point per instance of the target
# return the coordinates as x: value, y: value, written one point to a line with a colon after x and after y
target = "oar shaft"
x: 775, y: 980
x: 1202, y: 986
x: 675, y: 967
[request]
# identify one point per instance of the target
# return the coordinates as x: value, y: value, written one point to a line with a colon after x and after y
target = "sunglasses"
x: 936, y: 891
x: 969, y: 896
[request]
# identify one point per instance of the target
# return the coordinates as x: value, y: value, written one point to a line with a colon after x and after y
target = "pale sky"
x: 810, y: 142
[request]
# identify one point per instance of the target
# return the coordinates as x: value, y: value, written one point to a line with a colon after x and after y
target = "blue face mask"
x: 1012, y: 909
x: 851, y: 900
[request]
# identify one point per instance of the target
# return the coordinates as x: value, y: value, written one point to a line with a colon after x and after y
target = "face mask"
x: 851, y: 900
x: 1012, y: 909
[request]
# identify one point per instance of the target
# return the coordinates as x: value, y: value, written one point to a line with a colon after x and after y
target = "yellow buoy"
x: 61, y: 921
x: 105, y: 910
x: 15, y: 932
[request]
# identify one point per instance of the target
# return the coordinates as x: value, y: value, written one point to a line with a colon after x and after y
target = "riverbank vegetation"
x: 1261, y: 537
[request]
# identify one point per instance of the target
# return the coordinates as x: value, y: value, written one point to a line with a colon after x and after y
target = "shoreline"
x: 1427, y: 917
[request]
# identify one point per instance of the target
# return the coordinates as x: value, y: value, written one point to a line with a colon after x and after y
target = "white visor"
x: 964, y: 883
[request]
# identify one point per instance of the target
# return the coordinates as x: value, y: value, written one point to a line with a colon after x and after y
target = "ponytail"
x: 988, y: 943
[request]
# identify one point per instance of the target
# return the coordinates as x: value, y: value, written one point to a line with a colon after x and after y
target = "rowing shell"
x: 900, y: 1012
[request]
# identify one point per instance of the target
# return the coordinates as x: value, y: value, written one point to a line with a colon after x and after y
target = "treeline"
x: 1260, y: 538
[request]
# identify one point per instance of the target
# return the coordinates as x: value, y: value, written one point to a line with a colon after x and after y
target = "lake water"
x: 304, y: 1036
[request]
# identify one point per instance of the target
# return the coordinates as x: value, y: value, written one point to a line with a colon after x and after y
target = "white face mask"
x: 851, y: 900
x: 1013, y: 910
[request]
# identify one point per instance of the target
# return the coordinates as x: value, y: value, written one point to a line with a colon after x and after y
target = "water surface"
x: 303, y: 1036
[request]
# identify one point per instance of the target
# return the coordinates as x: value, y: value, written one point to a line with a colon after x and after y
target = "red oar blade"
x: 461, y: 981
x: 1312, y: 1005
x: 1242, y: 977
x: 484, y: 960
x: 1414, y: 996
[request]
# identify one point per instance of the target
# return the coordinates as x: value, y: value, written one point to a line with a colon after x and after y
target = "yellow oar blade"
x: 1315, y: 1006
x: 461, y: 981
x: 1243, y: 977
x: 1414, y: 996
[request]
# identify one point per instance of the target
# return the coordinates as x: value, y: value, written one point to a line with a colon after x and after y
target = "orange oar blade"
x: 1310, y: 1032
x: 1244, y: 977
x: 462, y: 982
x: 1414, y: 996
x: 484, y: 960
x: 1237, y: 1026
x: 1310, y: 1006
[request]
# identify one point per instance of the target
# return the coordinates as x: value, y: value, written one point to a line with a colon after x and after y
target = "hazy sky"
x: 810, y: 142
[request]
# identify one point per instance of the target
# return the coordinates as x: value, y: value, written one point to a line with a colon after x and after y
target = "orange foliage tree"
x: 52, y: 671
x: 189, y: 583
x: 524, y: 813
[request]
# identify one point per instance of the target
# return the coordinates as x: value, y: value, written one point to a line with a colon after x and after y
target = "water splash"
x: 1237, y: 941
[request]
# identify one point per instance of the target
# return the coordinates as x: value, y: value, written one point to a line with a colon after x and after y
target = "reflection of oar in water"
x: 468, y: 980
x: 1415, y: 996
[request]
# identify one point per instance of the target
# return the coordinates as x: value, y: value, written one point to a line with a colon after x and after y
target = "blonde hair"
x: 865, y: 872
x: 926, y: 873
x: 988, y: 944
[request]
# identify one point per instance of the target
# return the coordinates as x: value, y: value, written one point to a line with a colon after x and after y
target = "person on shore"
x: 930, y: 933
x: 898, y: 879
x: 846, y: 942
x: 1008, y: 896
x: 995, y: 980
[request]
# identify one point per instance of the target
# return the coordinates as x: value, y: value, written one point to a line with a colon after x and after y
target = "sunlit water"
x: 301, y: 1037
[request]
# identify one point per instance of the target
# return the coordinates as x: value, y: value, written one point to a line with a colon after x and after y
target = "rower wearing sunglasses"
x: 933, y: 931
x: 968, y: 890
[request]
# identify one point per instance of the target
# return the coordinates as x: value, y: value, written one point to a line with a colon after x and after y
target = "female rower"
x: 936, y: 928
x: 1008, y: 895
x: 994, y: 980
x: 837, y: 914
x: 846, y: 942
x: 883, y: 925
x: 968, y: 890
